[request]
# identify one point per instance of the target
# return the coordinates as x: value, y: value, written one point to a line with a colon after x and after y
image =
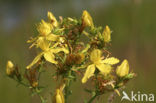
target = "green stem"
x: 20, y: 82
x: 92, y: 99
x: 42, y: 99
x: 96, y: 92
x: 40, y: 96
x: 67, y: 88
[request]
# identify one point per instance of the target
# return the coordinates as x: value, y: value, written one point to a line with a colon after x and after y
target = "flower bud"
x: 123, y: 69
x: 87, y: 19
x: 35, y: 84
x: 59, y: 97
x: 44, y: 28
x: 9, y: 68
x: 107, y: 34
x: 52, y: 18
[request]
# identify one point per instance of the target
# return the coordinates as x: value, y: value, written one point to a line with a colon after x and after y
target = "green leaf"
x: 129, y: 76
x: 93, y: 93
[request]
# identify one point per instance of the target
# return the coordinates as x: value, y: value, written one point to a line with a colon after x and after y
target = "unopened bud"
x: 123, y: 69
x: 52, y: 18
x: 9, y: 68
x: 59, y: 97
x: 107, y: 34
x: 87, y: 19
x: 34, y: 84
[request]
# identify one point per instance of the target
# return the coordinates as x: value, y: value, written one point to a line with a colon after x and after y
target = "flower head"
x: 87, y: 19
x: 47, y: 52
x: 123, y: 69
x: 44, y: 28
x: 104, y: 66
x: 107, y: 34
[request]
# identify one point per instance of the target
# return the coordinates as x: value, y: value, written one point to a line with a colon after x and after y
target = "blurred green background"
x: 134, y: 35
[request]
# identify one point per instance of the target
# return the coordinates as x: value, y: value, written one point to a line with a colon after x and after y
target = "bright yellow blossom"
x: 87, y: 19
x: 9, y: 68
x: 44, y: 28
x: 123, y: 69
x: 52, y: 19
x: 50, y: 37
x: 107, y: 34
x: 47, y: 52
x: 45, y: 31
x: 104, y: 66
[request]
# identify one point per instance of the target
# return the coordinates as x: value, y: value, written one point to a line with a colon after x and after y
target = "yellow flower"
x: 87, y: 19
x: 9, y: 68
x: 104, y: 66
x: 107, y: 34
x: 123, y: 69
x: 47, y: 52
x: 44, y: 28
x: 52, y: 19
x: 49, y: 37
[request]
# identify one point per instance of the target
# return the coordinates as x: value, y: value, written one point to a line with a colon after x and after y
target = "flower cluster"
x: 74, y: 47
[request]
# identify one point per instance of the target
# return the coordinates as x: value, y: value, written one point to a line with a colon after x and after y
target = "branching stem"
x: 93, y: 98
x: 67, y: 88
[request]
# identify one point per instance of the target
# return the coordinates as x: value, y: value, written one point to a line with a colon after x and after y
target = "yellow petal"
x: 107, y: 34
x: 123, y: 69
x: 31, y: 40
x: 37, y: 58
x: 89, y: 72
x: 52, y: 37
x: 52, y: 18
x: 110, y: 61
x: 87, y: 19
x: 50, y: 57
x: 95, y: 56
x: 33, y: 44
x: 104, y: 69
x: 43, y: 43
x: 57, y: 50
x: 61, y: 39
